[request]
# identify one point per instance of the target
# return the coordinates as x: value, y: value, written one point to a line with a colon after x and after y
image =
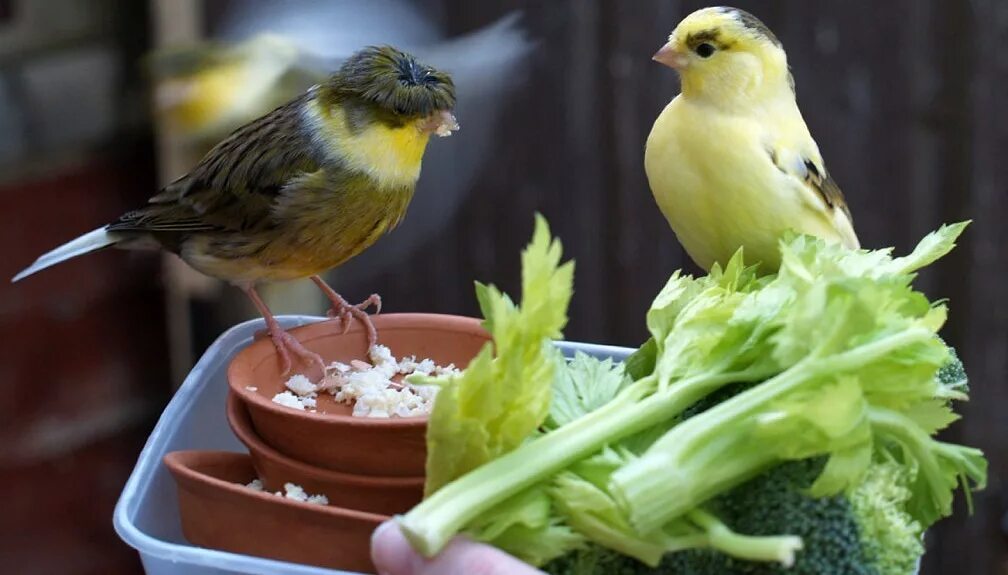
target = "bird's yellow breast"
x: 389, y: 155
x: 711, y: 175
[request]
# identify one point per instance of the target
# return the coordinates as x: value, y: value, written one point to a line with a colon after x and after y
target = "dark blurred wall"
x: 83, y: 372
x: 907, y: 100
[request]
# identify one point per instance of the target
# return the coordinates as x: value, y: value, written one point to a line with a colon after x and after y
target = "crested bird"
x: 299, y: 190
x: 265, y: 52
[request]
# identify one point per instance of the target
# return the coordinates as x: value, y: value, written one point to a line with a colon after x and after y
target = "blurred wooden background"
x: 906, y: 98
x: 908, y: 101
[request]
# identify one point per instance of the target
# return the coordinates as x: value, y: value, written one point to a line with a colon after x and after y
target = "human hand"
x: 393, y: 555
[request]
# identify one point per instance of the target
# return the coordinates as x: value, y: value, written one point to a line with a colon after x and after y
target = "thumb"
x: 393, y: 555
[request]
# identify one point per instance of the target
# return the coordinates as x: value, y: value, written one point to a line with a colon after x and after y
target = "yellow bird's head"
x: 727, y: 57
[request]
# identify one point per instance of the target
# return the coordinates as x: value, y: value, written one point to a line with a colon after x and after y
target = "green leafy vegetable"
x: 498, y: 401
x: 584, y: 386
x: 836, y: 358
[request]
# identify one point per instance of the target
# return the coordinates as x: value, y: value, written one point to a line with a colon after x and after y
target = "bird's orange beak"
x: 671, y: 57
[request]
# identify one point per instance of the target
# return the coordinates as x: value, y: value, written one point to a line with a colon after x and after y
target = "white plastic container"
x: 146, y: 516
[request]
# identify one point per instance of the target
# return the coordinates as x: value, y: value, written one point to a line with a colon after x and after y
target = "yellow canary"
x: 300, y: 190
x: 730, y: 160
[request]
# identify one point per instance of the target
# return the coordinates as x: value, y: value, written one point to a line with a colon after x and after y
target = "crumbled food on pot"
x: 382, y: 359
x: 370, y: 387
x: 251, y: 388
x: 410, y: 365
x: 288, y: 399
x: 291, y: 491
x: 374, y: 393
x: 297, y: 493
x: 449, y: 369
x: 337, y: 366
x: 300, y: 385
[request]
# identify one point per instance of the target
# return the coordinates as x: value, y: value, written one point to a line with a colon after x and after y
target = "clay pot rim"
x: 261, y: 350
x: 241, y: 425
x: 178, y: 463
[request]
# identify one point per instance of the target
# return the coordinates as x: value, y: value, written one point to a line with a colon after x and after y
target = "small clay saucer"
x: 332, y: 438
x: 219, y: 512
x: 386, y: 495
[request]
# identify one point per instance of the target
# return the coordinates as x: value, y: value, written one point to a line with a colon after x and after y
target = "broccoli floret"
x: 952, y: 375
x: 889, y: 536
x: 863, y: 532
x: 597, y: 560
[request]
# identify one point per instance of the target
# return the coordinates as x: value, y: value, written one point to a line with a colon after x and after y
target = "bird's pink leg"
x: 345, y: 311
x: 284, y: 342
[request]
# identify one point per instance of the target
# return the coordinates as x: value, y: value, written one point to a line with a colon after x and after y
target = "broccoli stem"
x: 779, y: 548
x: 683, y: 469
x: 431, y: 524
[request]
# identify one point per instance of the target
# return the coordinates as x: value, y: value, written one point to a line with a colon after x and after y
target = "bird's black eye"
x: 704, y: 50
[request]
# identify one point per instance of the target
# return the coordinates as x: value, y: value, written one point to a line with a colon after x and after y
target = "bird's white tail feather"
x: 89, y: 242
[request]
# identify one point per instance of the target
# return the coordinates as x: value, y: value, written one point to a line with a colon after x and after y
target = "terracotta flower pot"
x: 218, y: 513
x: 386, y: 495
x: 332, y: 438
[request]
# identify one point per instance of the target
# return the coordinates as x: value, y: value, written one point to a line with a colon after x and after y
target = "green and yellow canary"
x: 730, y: 160
x: 300, y: 190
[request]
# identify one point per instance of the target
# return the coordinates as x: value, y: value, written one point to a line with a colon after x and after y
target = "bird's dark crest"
x: 396, y: 81
x: 753, y: 24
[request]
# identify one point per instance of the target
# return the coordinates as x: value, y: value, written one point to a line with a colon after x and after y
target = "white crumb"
x: 291, y: 491
x: 288, y: 399
x: 425, y: 367
x: 250, y: 388
x: 300, y: 385
x: 297, y: 493
x: 448, y: 125
x: 318, y: 499
x: 338, y: 366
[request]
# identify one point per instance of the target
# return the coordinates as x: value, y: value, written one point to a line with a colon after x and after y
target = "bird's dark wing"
x: 826, y: 186
x: 813, y: 175
x: 234, y: 186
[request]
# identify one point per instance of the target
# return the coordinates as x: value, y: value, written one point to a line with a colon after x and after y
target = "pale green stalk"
x: 432, y: 523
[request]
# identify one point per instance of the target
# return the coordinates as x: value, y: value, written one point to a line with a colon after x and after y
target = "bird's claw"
x: 286, y: 343
x: 345, y: 313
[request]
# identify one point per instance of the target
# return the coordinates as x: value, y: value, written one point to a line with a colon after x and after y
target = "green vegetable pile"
x: 779, y: 423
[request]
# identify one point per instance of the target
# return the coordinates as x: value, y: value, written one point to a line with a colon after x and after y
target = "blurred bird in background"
x: 300, y: 190
x: 730, y: 160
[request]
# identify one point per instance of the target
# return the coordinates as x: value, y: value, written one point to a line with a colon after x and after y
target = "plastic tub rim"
x: 148, y: 545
